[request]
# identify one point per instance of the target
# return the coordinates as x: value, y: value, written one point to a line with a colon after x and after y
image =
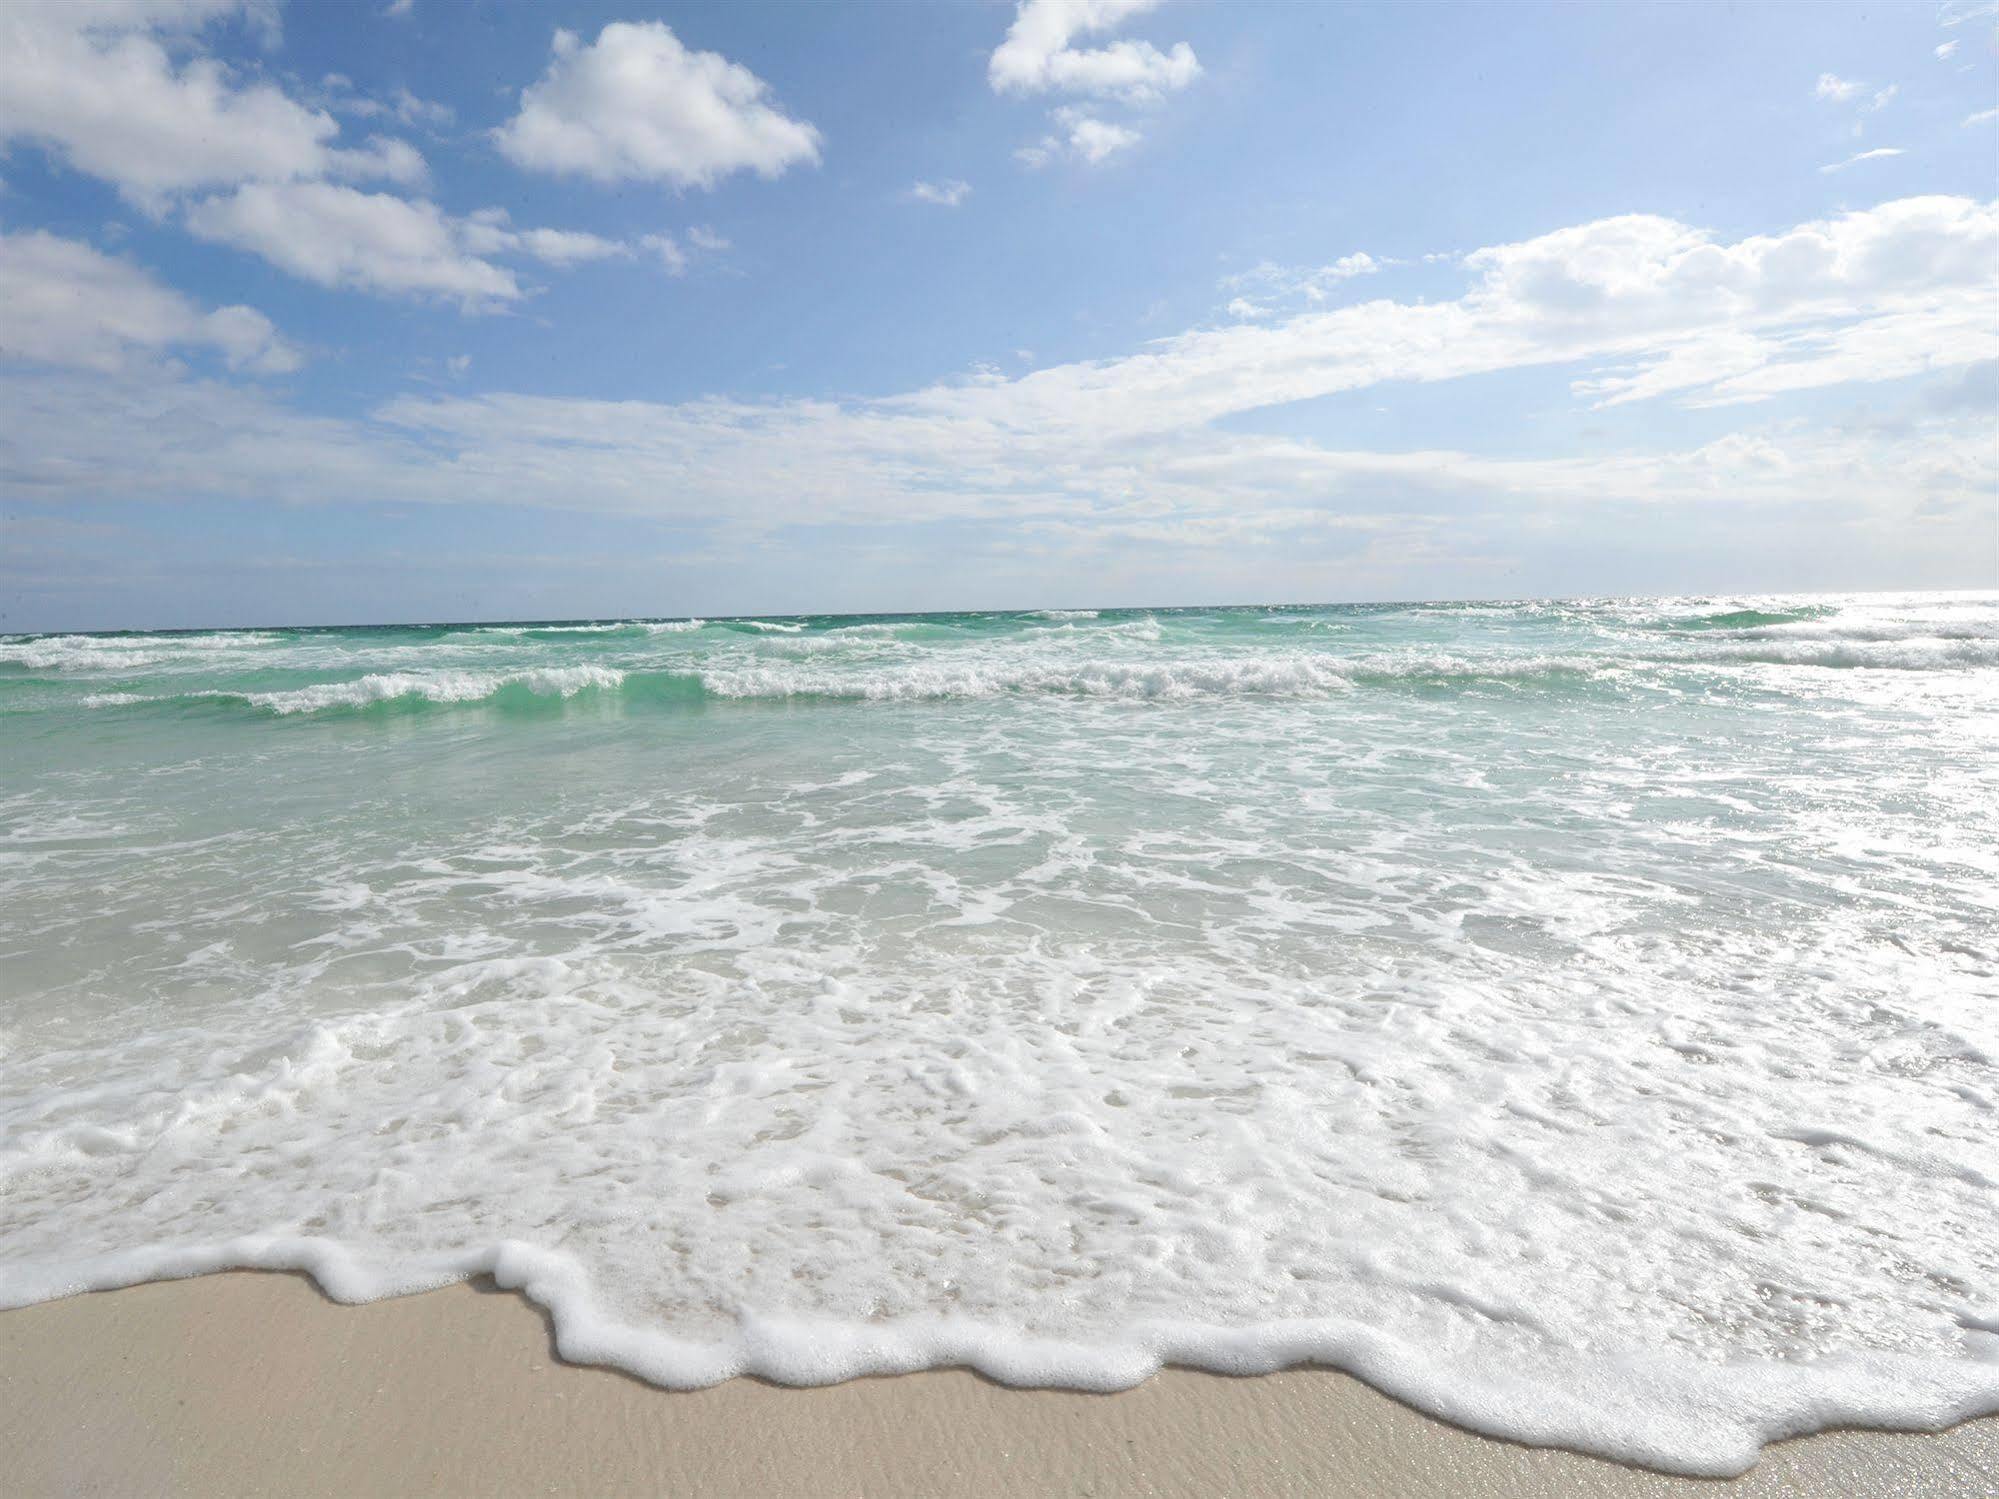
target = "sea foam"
x: 1575, y: 1021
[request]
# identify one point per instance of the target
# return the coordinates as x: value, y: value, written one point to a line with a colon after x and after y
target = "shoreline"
x: 248, y: 1382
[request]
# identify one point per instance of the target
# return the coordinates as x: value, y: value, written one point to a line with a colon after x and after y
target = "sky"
x: 401, y: 310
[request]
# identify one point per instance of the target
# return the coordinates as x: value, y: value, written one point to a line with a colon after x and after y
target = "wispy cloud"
x: 1879, y: 153
x: 1148, y: 445
x: 1278, y: 285
x: 946, y: 194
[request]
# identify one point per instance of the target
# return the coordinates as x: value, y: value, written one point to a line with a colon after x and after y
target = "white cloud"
x: 1984, y: 116
x: 1139, y: 447
x: 1839, y: 90
x: 97, y: 86
x: 1094, y: 139
x: 337, y: 93
x: 638, y: 105
x: 490, y: 232
x: 400, y: 9
x: 1309, y: 286
x: 668, y: 249
x: 947, y: 194
x: 339, y: 236
x: 69, y: 304
x: 1957, y: 12
x: 1079, y: 136
x: 676, y: 255
x: 1879, y: 153
x: 384, y: 157
x: 1948, y: 50
x: 1036, y: 56
x: 375, y: 242
x: 1884, y: 97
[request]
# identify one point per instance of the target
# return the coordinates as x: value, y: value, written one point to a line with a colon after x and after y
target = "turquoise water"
x: 1578, y: 1017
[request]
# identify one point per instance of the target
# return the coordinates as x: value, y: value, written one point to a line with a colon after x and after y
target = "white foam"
x: 1882, y: 651
x: 604, y: 627
x: 1572, y: 1029
x: 1268, y: 674
x: 122, y: 652
x: 436, y: 687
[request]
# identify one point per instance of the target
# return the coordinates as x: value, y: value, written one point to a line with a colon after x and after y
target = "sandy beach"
x: 255, y: 1384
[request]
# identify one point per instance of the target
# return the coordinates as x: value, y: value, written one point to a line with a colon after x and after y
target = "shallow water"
x: 1578, y: 1018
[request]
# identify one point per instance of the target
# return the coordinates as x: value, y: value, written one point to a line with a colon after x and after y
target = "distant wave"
x: 120, y: 652
x: 614, y: 627
x: 1739, y: 619
x: 391, y: 687
x: 1293, y: 675
x: 603, y: 627
x: 1890, y: 654
x: 1268, y: 675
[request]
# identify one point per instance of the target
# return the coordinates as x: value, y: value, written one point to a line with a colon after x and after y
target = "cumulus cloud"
x: 376, y: 242
x: 98, y: 87
x: 339, y: 236
x: 1946, y: 51
x: 1036, y: 55
x: 947, y: 194
x: 1078, y: 136
x: 69, y: 304
x: 637, y: 105
x: 1831, y: 86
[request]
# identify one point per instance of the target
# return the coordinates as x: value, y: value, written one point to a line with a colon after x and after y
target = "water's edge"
x: 1754, y: 1404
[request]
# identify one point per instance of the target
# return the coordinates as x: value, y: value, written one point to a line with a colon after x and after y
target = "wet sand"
x: 256, y: 1384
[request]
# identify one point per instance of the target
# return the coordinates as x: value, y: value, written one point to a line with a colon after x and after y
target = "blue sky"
x: 339, y: 313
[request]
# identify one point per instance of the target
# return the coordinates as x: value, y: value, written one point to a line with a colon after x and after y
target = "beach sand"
x: 256, y: 1384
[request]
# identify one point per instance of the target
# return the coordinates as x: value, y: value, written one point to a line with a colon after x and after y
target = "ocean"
x: 1580, y: 1019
